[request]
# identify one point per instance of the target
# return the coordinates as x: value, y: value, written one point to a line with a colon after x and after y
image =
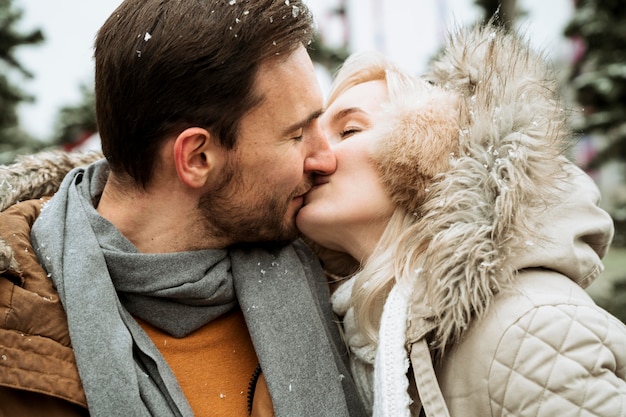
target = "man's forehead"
x: 288, y: 91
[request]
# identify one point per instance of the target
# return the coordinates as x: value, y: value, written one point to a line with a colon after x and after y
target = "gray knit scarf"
x: 103, y: 281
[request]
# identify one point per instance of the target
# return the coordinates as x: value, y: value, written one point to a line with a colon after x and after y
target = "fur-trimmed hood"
x: 507, y: 198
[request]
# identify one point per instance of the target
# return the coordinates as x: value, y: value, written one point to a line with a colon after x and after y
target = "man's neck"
x: 162, y: 221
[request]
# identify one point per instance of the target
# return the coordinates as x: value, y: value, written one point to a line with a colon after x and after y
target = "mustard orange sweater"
x: 213, y: 365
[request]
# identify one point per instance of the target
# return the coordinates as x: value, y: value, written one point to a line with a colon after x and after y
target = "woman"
x: 472, y: 238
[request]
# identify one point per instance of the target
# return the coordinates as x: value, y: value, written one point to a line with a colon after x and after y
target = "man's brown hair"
x: 165, y: 65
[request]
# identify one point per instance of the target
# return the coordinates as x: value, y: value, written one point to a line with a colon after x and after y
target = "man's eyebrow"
x: 303, y: 123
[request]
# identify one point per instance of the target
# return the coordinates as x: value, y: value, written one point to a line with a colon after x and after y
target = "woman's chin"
x: 304, y: 222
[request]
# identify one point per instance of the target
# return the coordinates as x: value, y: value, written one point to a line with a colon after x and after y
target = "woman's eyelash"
x: 350, y: 131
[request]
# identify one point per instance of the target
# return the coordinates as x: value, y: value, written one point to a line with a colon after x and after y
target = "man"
x: 152, y: 283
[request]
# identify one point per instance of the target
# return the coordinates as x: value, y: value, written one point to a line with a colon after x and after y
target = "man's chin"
x: 280, y: 235
x: 290, y: 231
x: 273, y: 241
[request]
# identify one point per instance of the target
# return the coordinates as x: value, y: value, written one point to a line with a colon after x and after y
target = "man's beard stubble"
x: 263, y: 221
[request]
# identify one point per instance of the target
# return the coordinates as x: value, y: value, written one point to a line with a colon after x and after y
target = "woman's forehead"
x: 367, y: 96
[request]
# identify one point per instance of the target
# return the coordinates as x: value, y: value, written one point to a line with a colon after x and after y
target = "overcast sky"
x: 407, y: 30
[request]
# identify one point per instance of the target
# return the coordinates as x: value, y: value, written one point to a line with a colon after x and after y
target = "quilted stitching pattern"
x: 560, y: 360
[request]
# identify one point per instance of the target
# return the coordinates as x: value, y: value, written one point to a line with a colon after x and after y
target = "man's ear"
x: 197, y: 154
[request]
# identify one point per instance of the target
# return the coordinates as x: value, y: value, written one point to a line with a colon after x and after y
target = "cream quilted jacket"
x: 544, y: 349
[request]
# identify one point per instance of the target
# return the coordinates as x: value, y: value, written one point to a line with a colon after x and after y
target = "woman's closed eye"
x: 345, y: 123
x: 349, y: 131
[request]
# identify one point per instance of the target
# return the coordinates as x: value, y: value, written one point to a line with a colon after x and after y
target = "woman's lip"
x: 316, y: 186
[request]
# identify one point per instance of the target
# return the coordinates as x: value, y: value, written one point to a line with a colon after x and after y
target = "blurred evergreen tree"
x: 76, y: 122
x: 599, y: 83
x: 599, y: 76
x: 329, y: 57
x: 505, y: 9
x: 616, y: 304
x: 13, y: 140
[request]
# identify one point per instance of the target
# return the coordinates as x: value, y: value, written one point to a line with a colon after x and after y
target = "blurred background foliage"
x: 595, y: 81
x: 13, y: 140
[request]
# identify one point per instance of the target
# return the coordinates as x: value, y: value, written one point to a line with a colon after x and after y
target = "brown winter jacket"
x: 38, y: 373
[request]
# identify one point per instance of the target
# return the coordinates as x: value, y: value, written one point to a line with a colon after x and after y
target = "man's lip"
x: 320, y: 180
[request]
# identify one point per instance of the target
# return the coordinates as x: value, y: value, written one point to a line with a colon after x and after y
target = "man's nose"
x: 321, y: 158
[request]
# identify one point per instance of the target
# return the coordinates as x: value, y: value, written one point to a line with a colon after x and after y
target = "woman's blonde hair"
x: 359, y: 68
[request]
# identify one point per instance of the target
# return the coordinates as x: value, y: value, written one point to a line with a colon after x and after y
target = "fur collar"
x: 38, y: 175
x: 34, y: 176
